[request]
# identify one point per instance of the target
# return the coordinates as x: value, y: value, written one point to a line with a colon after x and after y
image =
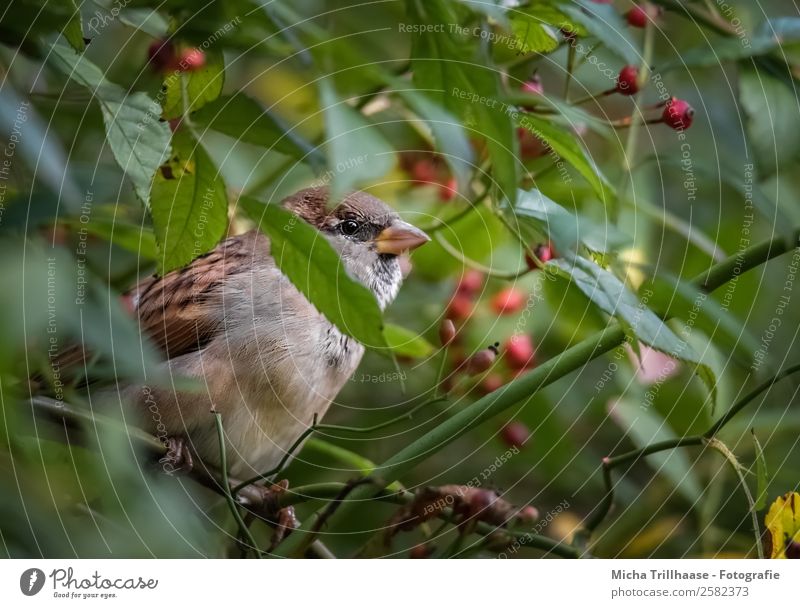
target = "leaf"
x: 548, y: 12
x: 532, y: 36
x: 449, y: 135
x: 645, y: 426
x: 762, y: 476
x: 189, y: 205
x: 773, y: 120
x: 461, y: 76
x: 783, y: 525
x: 139, y: 142
x: 611, y: 296
x: 604, y: 22
x: 315, y: 269
x: 242, y: 118
x: 189, y: 90
x: 567, y: 147
x: 352, y: 144
x: 406, y: 343
x: 73, y: 31
x: 132, y: 237
x: 147, y: 20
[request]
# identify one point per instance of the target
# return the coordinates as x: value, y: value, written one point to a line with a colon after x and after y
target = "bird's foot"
x: 178, y: 459
x: 283, y: 519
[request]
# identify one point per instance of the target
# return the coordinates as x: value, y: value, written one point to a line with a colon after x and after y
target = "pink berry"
x: 533, y: 86
x: 544, y: 252
x: 448, y: 190
x: 508, y: 301
x: 447, y: 332
x: 530, y: 146
x: 460, y: 307
x: 628, y: 80
x: 192, y: 59
x: 424, y: 172
x: 481, y: 361
x: 678, y: 114
x: 470, y: 283
x: 519, y: 351
x: 515, y: 434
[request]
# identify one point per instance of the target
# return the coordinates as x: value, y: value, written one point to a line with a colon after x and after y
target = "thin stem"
x: 381, y: 425
x: 223, y: 462
x: 570, y: 71
x: 444, y: 223
x: 720, y: 447
x: 594, y: 97
x: 475, y: 265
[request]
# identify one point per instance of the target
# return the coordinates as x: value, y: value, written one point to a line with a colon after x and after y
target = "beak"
x: 399, y: 237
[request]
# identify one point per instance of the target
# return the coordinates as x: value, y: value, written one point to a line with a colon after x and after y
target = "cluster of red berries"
x: 164, y: 57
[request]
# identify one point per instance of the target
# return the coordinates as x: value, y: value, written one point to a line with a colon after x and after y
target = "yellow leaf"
x: 783, y: 526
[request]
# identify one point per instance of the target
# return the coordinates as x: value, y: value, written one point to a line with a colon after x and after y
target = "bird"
x: 261, y: 354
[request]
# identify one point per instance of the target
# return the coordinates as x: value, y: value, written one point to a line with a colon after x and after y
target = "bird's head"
x: 368, y: 235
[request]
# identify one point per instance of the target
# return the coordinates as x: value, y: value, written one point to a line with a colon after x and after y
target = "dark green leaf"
x: 315, y: 269
x: 139, y: 142
x: 188, y: 204
x: 73, y: 31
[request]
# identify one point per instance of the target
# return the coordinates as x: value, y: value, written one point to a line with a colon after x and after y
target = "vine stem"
x: 226, y: 488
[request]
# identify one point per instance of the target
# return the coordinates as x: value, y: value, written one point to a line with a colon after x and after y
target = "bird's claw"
x: 178, y: 459
x: 283, y: 519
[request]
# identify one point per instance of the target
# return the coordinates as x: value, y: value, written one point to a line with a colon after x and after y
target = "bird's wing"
x: 183, y: 310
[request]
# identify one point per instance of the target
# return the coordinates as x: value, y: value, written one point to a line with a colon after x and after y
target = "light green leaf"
x: 188, y: 204
x: 352, y: 143
x: 762, y: 476
x: 532, y: 36
x: 147, y: 20
x: 139, y: 142
x: 611, y: 296
x: 406, y: 343
x: 242, y: 118
x: 189, y: 90
x: 645, y: 426
x: 315, y: 269
x: 565, y: 144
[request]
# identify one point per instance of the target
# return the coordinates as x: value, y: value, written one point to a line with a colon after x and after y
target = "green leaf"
x: 645, y: 426
x: 315, y: 269
x: 406, y: 343
x: 545, y: 11
x: 604, y: 22
x: 242, y: 118
x: 532, y: 36
x: 449, y: 135
x: 762, y: 476
x: 147, y: 20
x: 189, y: 90
x: 461, y: 76
x: 567, y: 147
x: 189, y: 204
x: 73, y: 31
x: 767, y: 102
x: 611, y: 296
x: 357, y: 151
x: 139, y: 142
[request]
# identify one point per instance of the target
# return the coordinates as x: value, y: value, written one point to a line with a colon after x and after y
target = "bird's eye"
x: 349, y: 227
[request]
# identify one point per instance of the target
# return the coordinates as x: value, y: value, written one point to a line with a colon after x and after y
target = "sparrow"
x: 262, y: 355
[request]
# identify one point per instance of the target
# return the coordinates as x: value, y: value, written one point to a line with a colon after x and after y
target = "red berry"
x: 508, y: 301
x: 447, y: 332
x: 544, y: 252
x: 192, y: 59
x: 448, y: 190
x: 460, y: 307
x: 470, y: 283
x: 637, y: 16
x: 628, y: 80
x: 519, y: 351
x: 420, y: 552
x: 678, y: 114
x: 161, y: 55
x: 528, y: 514
x: 530, y: 146
x: 515, y: 434
x: 481, y: 361
x: 424, y: 172
x: 491, y: 383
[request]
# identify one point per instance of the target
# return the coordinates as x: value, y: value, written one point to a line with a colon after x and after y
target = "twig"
x: 226, y: 488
